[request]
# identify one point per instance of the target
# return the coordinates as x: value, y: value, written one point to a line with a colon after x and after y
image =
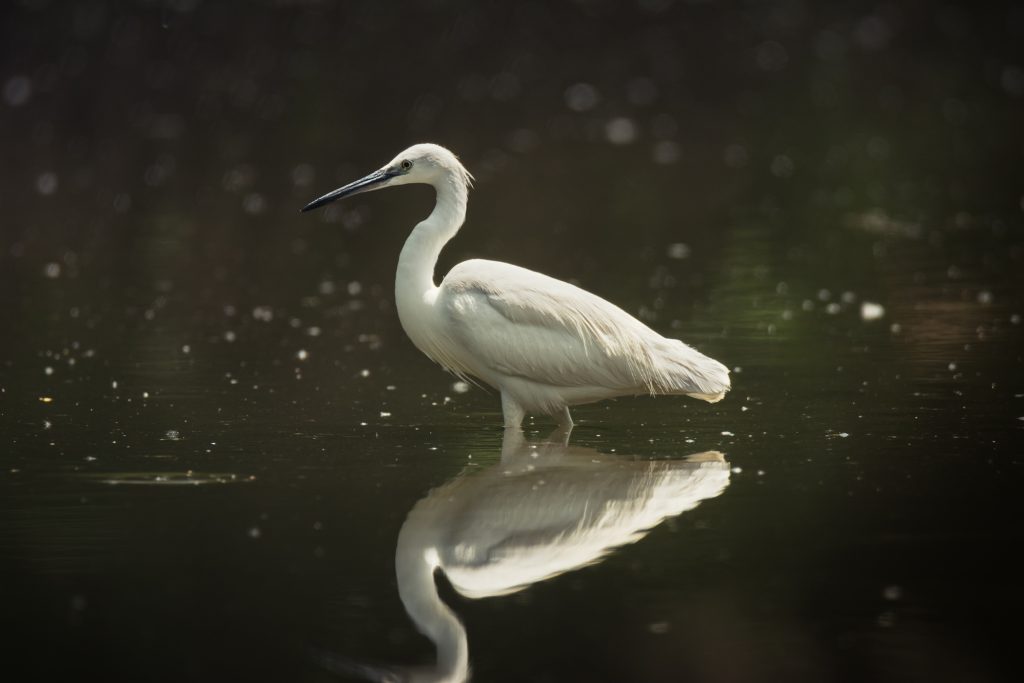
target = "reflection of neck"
x: 415, y: 562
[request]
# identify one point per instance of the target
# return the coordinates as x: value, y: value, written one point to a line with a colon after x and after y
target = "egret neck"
x: 415, y: 291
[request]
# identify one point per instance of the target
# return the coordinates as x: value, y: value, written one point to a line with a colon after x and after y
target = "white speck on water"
x: 737, y: 369
x: 254, y: 532
x: 113, y: 384
x: 678, y: 250
x: 728, y: 434
x: 145, y: 394
x: 254, y: 203
x: 185, y: 348
x: 843, y: 435
x: 833, y: 308
x: 892, y: 593
x: 984, y: 297
x: 172, y: 435
x: 263, y: 313
x: 952, y: 367
x: 737, y: 470
x: 52, y: 270
x: 824, y: 295
x: 18, y: 90
x: 230, y: 336
x: 460, y: 387
x: 1015, y: 319
x: 364, y: 373
x: 620, y: 131
x: 744, y: 409
x: 659, y: 628
x: 303, y: 175
x: 302, y: 354
x: 385, y: 413
x: 869, y: 310
x: 48, y: 370
x: 313, y: 331
x: 688, y: 440
x: 581, y: 97
x: 47, y: 424
x: 782, y: 166
x: 666, y: 152
x: 895, y: 328
x: 355, y: 288
x: 46, y: 183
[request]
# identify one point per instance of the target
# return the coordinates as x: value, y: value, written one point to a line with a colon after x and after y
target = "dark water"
x: 214, y: 429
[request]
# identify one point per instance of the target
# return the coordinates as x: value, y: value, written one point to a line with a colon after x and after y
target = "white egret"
x: 543, y: 343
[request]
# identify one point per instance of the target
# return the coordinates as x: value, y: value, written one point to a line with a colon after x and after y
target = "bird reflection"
x: 545, y: 509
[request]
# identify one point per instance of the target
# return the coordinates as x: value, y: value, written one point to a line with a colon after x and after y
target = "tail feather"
x: 691, y: 373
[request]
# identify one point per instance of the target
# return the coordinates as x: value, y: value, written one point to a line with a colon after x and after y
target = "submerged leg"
x: 512, y: 411
x: 564, y: 428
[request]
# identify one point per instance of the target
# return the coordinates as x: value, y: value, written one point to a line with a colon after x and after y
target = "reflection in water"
x: 545, y: 509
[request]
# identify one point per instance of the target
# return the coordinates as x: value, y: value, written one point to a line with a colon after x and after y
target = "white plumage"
x: 543, y: 343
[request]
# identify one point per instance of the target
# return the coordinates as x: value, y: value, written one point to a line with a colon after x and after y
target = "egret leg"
x: 512, y: 411
x: 560, y: 436
x: 564, y: 428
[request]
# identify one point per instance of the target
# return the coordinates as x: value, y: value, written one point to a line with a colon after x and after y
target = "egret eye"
x: 406, y: 164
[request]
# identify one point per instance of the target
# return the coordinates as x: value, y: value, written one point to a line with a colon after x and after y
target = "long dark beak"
x: 374, y: 181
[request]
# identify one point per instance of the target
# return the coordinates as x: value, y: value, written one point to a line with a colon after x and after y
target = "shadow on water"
x: 546, y: 508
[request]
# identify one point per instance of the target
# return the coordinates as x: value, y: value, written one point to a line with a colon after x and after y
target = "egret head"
x: 424, y: 163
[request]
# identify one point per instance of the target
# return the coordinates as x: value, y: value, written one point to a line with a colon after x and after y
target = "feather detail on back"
x: 520, y: 323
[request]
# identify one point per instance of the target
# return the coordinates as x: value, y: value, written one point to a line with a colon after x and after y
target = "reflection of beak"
x: 374, y: 181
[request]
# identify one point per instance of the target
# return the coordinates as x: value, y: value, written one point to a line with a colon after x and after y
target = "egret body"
x: 543, y: 343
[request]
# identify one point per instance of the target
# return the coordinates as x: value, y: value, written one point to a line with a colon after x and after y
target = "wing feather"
x: 518, y: 322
